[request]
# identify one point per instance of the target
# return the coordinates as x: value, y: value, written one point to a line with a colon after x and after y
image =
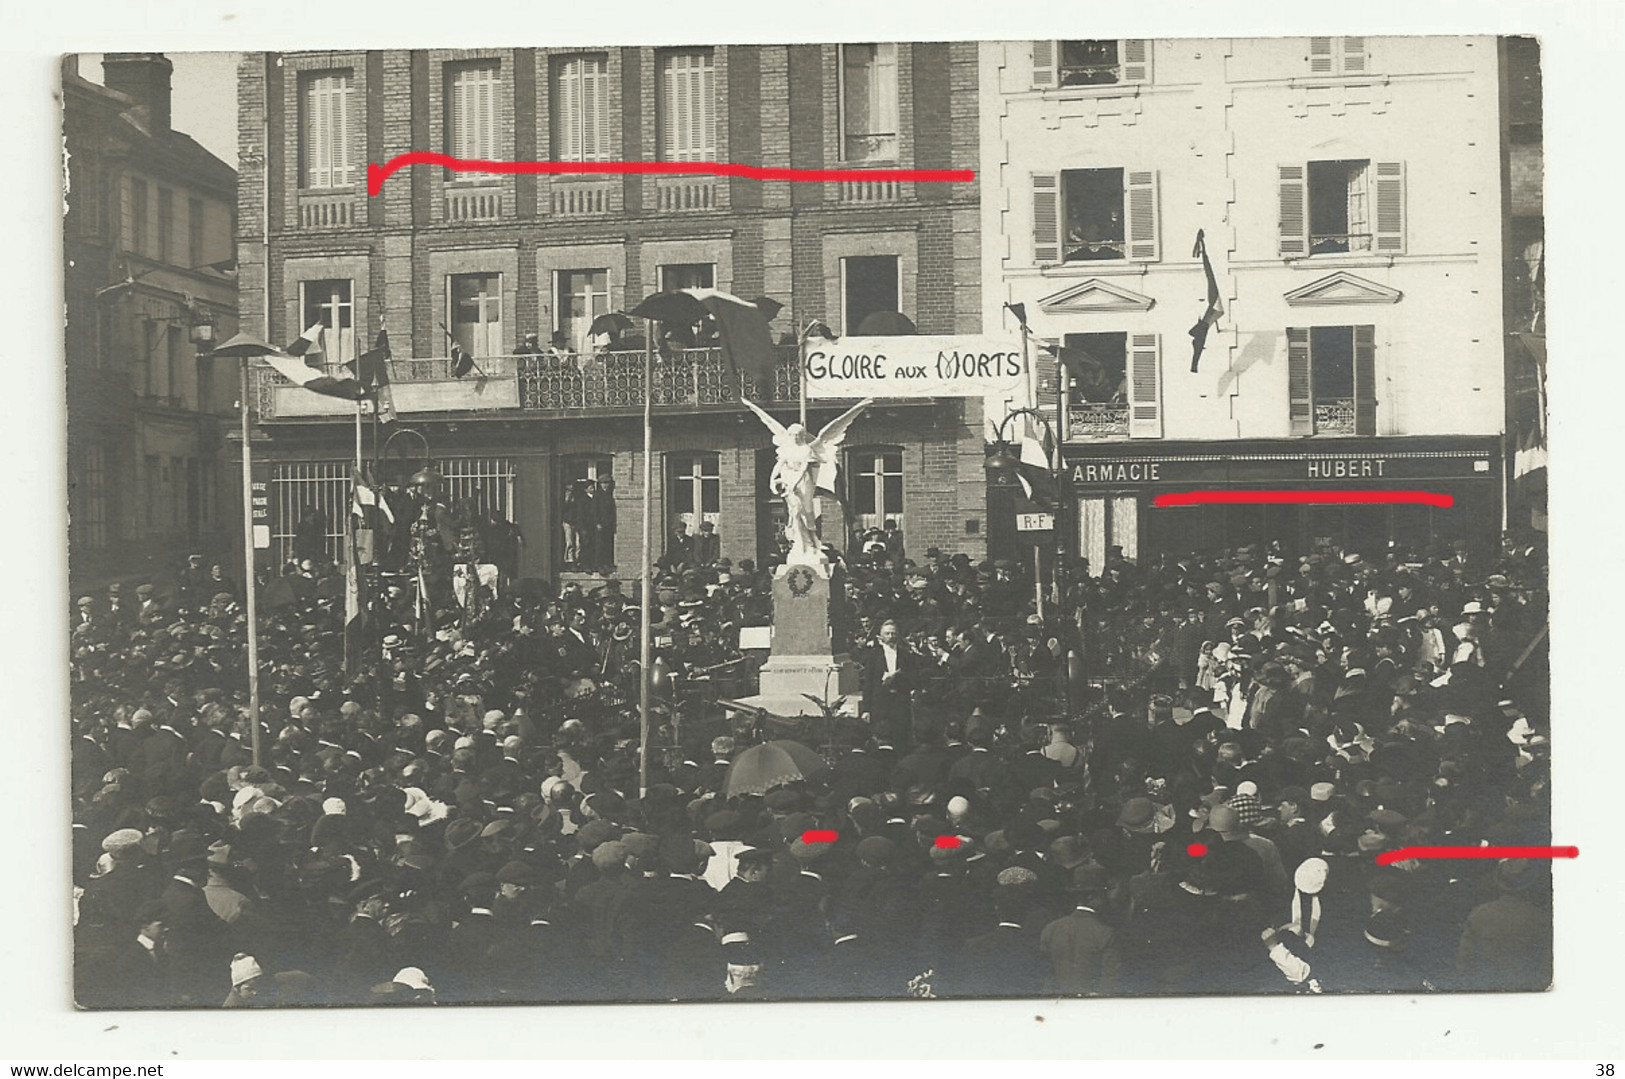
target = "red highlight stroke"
x: 1303, y: 498
x: 1406, y: 853
x: 947, y: 842
x: 1197, y: 850
x: 818, y: 835
x: 377, y: 174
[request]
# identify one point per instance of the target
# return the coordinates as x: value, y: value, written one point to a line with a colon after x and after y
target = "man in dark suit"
x: 1081, y: 948
x: 890, y: 674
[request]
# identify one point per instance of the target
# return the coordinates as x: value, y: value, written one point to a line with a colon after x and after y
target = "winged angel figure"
x: 806, y: 464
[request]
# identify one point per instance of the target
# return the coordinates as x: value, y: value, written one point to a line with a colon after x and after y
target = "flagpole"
x: 251, y: 584
x: 352, y: 569
x: 801, y: 370
x: 648, y: 521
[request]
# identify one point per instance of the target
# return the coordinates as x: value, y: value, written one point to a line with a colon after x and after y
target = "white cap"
x: 334, y: 807
x: 412, y: 978
x: 243, y: 968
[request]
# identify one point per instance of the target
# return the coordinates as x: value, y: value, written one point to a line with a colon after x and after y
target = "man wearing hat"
x: 890, y: 675
x: 1507, y: 942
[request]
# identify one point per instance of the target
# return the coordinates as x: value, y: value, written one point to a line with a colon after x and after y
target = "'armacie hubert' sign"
x: 953, y: 365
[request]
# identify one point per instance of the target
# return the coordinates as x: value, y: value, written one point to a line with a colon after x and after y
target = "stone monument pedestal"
x: 803, y: 660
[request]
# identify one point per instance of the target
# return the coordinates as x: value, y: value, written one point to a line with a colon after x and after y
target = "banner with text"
x: 951, y: 365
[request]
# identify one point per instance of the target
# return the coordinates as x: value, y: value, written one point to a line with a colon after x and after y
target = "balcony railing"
x: 473, y: 203
x: 547, y: 383
x: 326, y: 210
x: 582, y: 198
x: 677, y: 193
x: 1334, y: 416
x: 1092, y: 419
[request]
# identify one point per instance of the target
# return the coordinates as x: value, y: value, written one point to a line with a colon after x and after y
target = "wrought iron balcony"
x: 1097, y: 419
x: 562, y: 384
x: 1334, y: 416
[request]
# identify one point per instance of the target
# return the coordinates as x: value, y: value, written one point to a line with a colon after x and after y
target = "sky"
x: 203, y: 101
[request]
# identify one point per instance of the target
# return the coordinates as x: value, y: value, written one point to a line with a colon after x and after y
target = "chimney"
x: 144, y: 77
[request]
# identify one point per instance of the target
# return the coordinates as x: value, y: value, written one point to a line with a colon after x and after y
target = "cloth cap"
x: 333, y: 807
x: 1310, y: 876
x: 608, y: 855
x: 1224, y: 819
x: 1137, y: 813
x: 244, y: 968
x: 122, y: 840
x: 1322, y: 792
x: 1016, y: 874
x: 877, y: 850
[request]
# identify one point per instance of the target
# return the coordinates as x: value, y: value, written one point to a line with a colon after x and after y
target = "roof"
x: 176, y: 151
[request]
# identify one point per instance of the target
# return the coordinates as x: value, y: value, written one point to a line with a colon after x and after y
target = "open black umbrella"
x: 674, y: 308
x: 769, y: 308
x: 886, y: 324
x: 614, y: 324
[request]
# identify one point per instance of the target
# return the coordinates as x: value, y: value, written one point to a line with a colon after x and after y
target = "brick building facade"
x: 485, y: 259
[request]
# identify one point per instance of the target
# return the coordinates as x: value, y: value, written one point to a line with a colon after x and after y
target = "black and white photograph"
x: 967, y: 517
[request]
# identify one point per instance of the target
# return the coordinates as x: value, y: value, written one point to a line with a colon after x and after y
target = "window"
x: 1113, y: 385
x: 583, y: 295
x: 1096, y: 371
x: 1337, y: 56
x: 138, y: 216
x: 194, y: 233
x: 868, y: 102
x: 154, y: 490
x: 1331, y: 380
x: 471, y: 110
x: 688, y: 108
x: 869, y: 284
x: 875, y: 488
x: 1084, y: 215
x: 166, y: 222
x: 1342, y: 207
x: 694, y: 491
x: 1104, y: 523
x: 687, y: 275
x: 1091, y: 63
x: 176, y: 339
x: 324, y: 130
x: 90, y: 520
x: 149, y: 347
x: 328, y: 302
x: 475, y: 303
x: 580, y: 100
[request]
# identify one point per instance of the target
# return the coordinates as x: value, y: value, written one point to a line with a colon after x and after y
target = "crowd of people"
x: 1179, y: 778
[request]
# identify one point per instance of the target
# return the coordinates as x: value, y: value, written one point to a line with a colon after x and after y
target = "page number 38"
x: 1605, y: 1069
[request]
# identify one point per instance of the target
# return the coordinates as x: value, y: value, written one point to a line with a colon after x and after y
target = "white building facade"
x: 1349, y: 191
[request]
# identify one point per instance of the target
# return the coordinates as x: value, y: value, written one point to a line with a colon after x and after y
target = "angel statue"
x: 806, y: 464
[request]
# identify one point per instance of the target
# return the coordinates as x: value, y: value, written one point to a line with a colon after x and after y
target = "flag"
x: 1035, y: 467
x: 355, y: 615
x: 309, y: 347
x: 372, y: 368
x: 461, y: 362
x: 1214, y: 307
x: 747, y: 342
x: 366, y: 504
x: 315, y: 379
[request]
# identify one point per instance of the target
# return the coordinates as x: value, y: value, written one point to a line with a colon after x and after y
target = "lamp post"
x: 1002, y: 464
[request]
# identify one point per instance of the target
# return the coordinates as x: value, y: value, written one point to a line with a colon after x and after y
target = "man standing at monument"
x: 890, y: 673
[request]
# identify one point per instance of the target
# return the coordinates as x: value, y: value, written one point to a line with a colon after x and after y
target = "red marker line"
x: 818, y: 835
x: 1197, y: 850
x: 377, y: 174
x: 1303, y: 498
x: 947, y: 842
x: 1404, y: 854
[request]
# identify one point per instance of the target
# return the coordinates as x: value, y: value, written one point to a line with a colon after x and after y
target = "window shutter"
x: 339, y: 98
x: 1044, y: 351
x: 592, y: 106
x: 1365, y: 380
x: 566, y: 107
x: 1145, y: 387
x: 708, y: 109
x: 1141, y: 199
x: 1046, y: 217
x: 1136, y: 54
x: 1044, y: 53
x: 1320, y: 56
x: 1299, y: 385
x: 1294, y: 240
x: 1354, y: 55
x: 1391, y: 207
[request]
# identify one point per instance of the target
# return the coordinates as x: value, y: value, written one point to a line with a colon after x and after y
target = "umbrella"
x: 771, y: 764
x: 886, y: 324
x: 614, y: 324
x: 243, y: 346
x: 677, y: 308
x: 769, y: 308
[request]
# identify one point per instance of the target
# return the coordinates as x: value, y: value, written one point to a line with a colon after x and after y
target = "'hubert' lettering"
x: 1345, y: 468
